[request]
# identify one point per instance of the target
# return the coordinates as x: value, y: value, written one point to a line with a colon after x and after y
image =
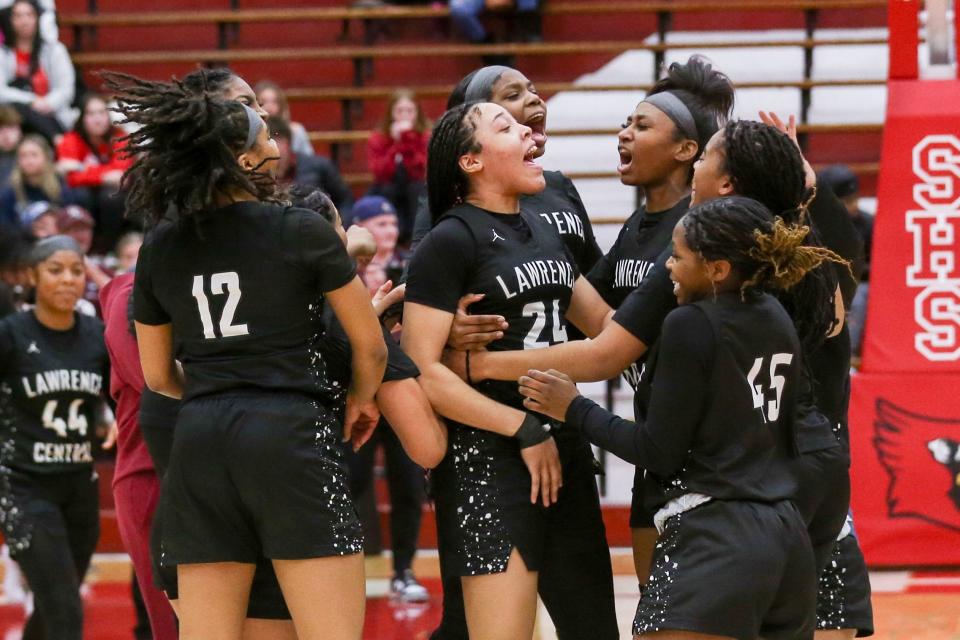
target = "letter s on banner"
x: 936, y: 241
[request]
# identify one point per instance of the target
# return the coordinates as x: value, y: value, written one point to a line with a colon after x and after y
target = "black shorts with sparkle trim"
x: 482, y: 493
x: 732, y: 568
x: 257, y: 474
x: 843, y: 597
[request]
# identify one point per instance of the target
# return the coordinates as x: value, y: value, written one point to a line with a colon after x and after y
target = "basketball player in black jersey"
x: 255, y: 468
x: 717, y: 434
x: 559, y: 204
x: 501, y: 460
x: 54, y: 372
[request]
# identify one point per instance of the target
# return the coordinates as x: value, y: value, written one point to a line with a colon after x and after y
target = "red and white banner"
x: 913, y: 324
x: 905, y: 436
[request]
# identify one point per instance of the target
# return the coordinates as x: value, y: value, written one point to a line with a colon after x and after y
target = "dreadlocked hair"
x: 186, y: 148
x: 765, y: 164
x: 769, y: 254
x: 211, y: 80
x: 706, y: 92
x: 452, y: 137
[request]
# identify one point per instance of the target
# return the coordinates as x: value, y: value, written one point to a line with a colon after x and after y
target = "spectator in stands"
x: 10, y: 135
x: 309, y: 172
x: 48, y: 18
x: 39, y: 220
x: 91, y: 158
x: 397, y: 157
x: 465, y: 15
x: 128, y: 250
x: 273, y: 100
x: 33, y: 179
x: 36, y: 76
x: 377, y: 215
x: 846, y: 186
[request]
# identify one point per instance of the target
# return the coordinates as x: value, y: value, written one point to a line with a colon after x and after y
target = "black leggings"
x: 58, y: 531
x: 407, y: 493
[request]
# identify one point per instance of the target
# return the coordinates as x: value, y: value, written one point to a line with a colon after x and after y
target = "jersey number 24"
x: 230, y: 280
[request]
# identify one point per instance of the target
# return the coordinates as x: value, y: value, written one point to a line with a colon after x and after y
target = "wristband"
x: 531, y: 432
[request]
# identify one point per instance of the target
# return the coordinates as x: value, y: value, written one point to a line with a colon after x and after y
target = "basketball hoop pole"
x: 904, y: 39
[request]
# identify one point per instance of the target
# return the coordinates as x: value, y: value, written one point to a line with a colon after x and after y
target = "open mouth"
x: 529, y: 155
x: 538, y: 123
x: 626, y: 159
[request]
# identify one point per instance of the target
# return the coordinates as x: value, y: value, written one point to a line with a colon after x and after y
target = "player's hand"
x: 111, y: 437
x: 548, y: 392
x: 360, y: 242
x: 474, y: 332
x: 359, y: 421
x: 546, y: 476
x: 387, y: 295
x: 790, y: 128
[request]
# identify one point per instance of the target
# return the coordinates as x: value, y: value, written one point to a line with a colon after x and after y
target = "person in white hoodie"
x: 38, y: 78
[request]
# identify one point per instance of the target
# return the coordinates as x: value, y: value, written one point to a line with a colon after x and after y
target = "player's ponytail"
x: 185, y: 148
x: 706, y: 93
x: 452, y: 137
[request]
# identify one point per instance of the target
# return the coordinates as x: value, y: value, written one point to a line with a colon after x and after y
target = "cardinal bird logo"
x: 922, y: 456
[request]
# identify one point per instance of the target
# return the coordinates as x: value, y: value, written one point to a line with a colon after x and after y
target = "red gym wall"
x: 905, y: 409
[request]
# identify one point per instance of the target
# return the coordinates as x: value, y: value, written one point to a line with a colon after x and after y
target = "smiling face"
x: 506, y: 159
x: 59, y: 281
x: 648, y: 147
x: 710, y: 178
x: 516, y: 93
x: 688, y: 270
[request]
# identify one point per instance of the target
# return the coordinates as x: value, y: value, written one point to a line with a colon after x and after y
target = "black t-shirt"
x: 519, y: 263
x: 336, y: 349
x: 52, y: 384
x: 244, y: 293
x: 559, y: 205
x: 721, y: 415
x: 643, y: 238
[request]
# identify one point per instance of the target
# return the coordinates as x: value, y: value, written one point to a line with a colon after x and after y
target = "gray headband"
x: 49, y: 246
x: 482, y: 82
x: 254, y: 124
x: 677, y: 111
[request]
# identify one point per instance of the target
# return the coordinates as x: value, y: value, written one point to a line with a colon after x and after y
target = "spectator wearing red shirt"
x: 136, y: 487
x: 397, y: 157
x: 92, y: 160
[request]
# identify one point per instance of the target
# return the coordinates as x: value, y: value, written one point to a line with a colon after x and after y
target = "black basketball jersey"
x: 518, y: 262
x: 559, y: 205
x: 643, y: 238
x: 745, y: 436
x: 51, y: 389
x: 244, y: 293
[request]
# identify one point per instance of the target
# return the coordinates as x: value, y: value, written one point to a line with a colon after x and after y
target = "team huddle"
x: 722, y: 303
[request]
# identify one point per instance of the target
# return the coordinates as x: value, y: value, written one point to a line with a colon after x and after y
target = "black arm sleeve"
x: 591, y: 250
x: 837, y: 233
x: 322, y: 251
x: 680, y: 389
x: 643, y: 311
x: 440, y: 268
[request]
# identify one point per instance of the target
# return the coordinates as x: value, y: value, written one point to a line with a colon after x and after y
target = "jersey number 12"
x: 230, y: 280
x: 776, y: 381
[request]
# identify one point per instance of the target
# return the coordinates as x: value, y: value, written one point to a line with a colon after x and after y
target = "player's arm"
x: 351, y: 305
x: 161, y: 372
x: 407, y: 410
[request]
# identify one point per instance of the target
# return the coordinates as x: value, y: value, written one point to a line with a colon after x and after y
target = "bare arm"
x: 161, y: 372
x: 421, y: 432
x: 601, y: 358
x: 588, y: 311
x: 351, y: 305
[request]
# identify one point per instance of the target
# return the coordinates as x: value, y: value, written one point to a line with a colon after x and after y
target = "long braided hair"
x: 765, y: 164
x: 453, y: 136
x: 186, y: 148
x: 766, y: 253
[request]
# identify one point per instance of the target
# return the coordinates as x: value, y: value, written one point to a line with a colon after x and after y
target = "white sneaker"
x: 407, y: 589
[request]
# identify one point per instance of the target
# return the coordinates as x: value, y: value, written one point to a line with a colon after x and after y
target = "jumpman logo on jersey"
x: 33, y: 348
x: 497, y: 236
